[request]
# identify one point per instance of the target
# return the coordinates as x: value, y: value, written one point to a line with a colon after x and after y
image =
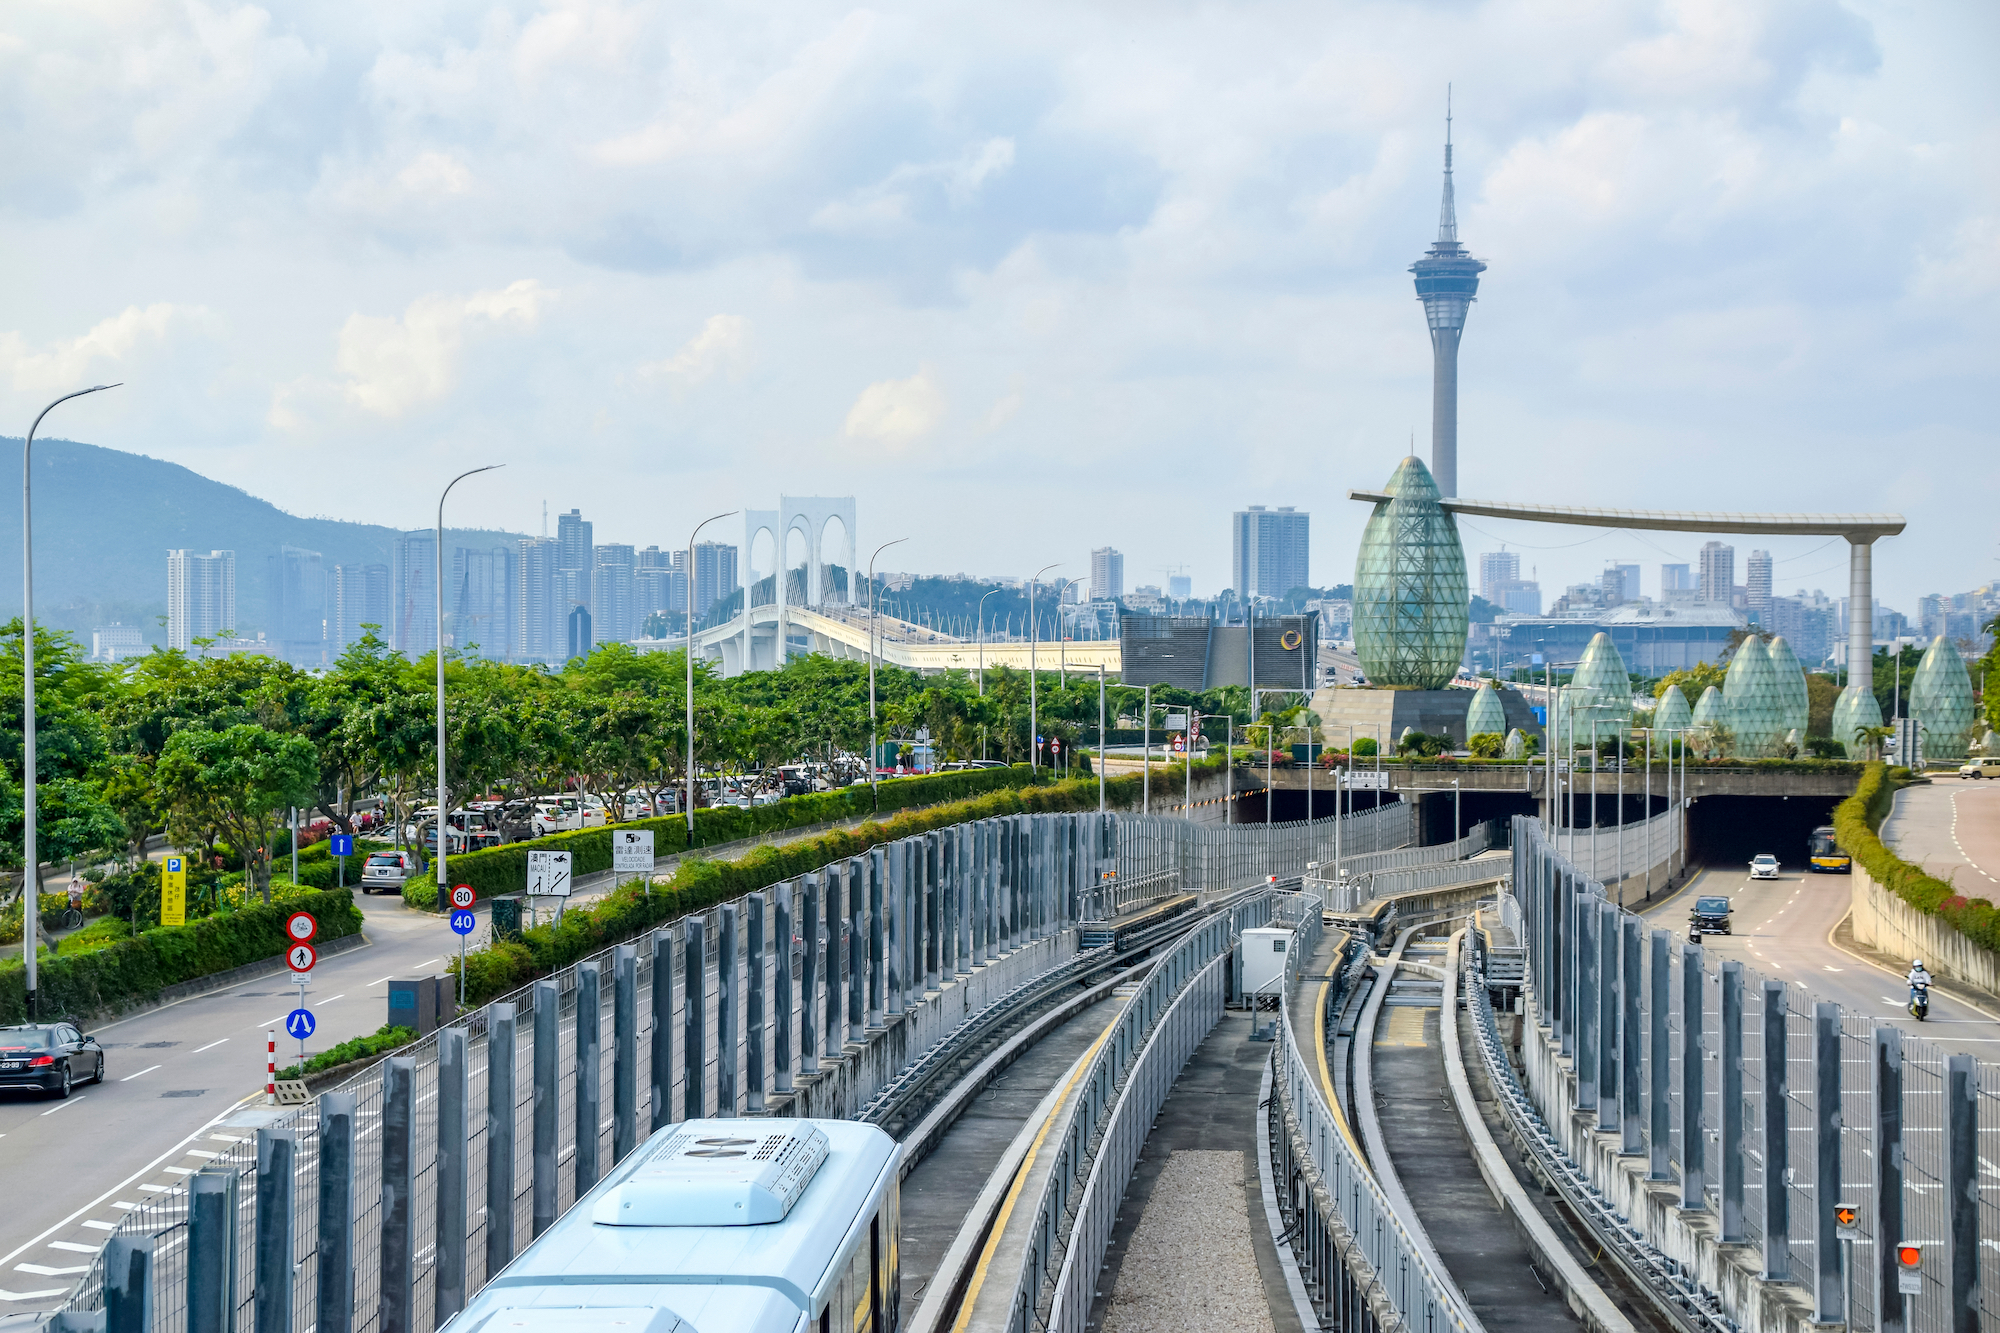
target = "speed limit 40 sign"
x: 461, y: 896
x: 301, y: 926
x: 301, y: 957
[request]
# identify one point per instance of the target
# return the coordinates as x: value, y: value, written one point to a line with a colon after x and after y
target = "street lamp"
x: 444, y: 809
x: 874, y: 785
x: 31, y: 893
x: 1101, y: 747
x: 1034, y: 722
x: 687, y: 816
x: 982, y: 641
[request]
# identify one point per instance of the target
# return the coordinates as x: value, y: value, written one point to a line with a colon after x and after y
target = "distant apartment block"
x: 1676, y: 578
x: 1757, y: 585
x: 1107, y: 575
x: 357, y: 595
x: 715, y: 576
x: 1180, y: 587
x: 1718, y: 572
x: 201, y: 596
x: 115, y: 643
x: 1497, y: 568
x: 611, y: 594
x: 296, y: 619
x: 1269, y: 551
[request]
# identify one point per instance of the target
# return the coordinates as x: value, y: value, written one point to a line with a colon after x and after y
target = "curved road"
x: 1952, y: 829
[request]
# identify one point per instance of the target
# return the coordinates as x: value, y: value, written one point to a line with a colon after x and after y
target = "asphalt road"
x: 172, y: 1076
x: 1952, y: 829
x: 1781, y: 929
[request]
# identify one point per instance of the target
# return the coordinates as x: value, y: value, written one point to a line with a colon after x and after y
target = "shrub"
x: 133, y: 970
x: 1855, y: 822
x: 384, y: 1038
x: 1486, y: 745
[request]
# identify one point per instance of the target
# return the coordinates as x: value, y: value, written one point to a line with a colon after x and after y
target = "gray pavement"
x: 173, y: 1074
x: 1782, y: 929
x: 1952, y: 829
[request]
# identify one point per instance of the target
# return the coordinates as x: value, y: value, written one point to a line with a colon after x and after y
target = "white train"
x: 717, y: 1226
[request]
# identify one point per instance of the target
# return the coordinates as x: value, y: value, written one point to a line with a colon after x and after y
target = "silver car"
x: 384, y: 872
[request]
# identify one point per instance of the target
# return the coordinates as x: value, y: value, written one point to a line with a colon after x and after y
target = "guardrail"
x: 1482, y: 837
x: 1104, y: 1126
x: 1764, y: 1106
x: 1233, y: 854
x: 1342, y: 1212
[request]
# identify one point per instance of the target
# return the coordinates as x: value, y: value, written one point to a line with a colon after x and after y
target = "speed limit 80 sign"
x: 462, y: 896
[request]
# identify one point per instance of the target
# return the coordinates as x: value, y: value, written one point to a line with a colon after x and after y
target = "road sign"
x: 1910, y: 1277
x: 173, y: 891
x: 1177, y: 721
x: 301, y: 926
x: 301, y: 957
x: 1365, y: 779
x: 1056, y: 744
x: 548, y: 874
x: 632, y: 852
x: 343, y: 844
x: 463, y: 922
x: 1846, y: 1222
x: 299, y: 1023
x: 462, y: 896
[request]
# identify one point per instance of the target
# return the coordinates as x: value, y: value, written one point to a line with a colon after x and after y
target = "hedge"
x: 136, y: 970
x: 696, y: 884
x: 500, y: 870
x: 1855, y: 822
x: 384, y: 1038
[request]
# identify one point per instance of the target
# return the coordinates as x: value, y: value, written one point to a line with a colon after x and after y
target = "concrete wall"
x: 1884, y: 921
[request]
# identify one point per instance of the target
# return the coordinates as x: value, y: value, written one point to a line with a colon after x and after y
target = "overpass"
x: 749, y: 642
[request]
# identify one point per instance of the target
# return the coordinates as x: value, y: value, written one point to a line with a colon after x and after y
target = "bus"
x: 1823, y: 854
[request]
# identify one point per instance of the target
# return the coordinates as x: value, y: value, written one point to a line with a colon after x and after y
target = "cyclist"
x: 1918, y: 978
x: 74, y: 916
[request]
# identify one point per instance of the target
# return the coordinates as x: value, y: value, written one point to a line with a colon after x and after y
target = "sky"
x: 1023, y: 279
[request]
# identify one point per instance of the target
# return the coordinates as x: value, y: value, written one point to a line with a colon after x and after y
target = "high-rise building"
x: 414, y: 605
x: 579, y: 636
x: 297, y: 619
x: 1675, y: 578
x: 1107, y: 575
x: 116, y: 642
x: 357, y: 595
x: 1718, y: 572
x: 611, y: 597
x: 1496, y: 568
x: 1521, y: 597
x: 658, y: 585
x: 1628, y: 582
x: 201, y: 596
x: 1180, y: 587
x: 1757, y: 585
x: 1447, y: 284
x: 541, y: 615
x: 1269, y: 551
x: 714, y: 574
x: 573, y: 544
x: 481, y: 602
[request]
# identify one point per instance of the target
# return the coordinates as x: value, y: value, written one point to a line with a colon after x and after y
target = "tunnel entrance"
x: 1729, y: 830
x: 1287, y: 806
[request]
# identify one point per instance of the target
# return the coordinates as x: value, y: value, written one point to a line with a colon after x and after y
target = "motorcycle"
x: 1920, y: 1002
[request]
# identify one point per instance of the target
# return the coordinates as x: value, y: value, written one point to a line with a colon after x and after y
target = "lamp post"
x: 687, y: 815
x: 1034, y: 716
x: 444, y: 809
x: 31, y: 889
x: 1146, y: 734
x: 874, y: 786
x: 982, y: 641
x: 1101, y: 747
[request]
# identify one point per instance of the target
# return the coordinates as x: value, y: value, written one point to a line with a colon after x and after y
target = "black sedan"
x: 49, y: 1057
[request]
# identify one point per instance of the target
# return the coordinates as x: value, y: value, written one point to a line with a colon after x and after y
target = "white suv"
x: 1987, y: 766
x: 1763, y: 866
x: 384, y: 872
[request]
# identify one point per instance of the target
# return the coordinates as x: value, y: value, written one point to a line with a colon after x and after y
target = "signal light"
x: 1910, y: 1256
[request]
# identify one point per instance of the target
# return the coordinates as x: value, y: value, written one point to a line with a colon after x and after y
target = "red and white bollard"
x: 270, y: 1068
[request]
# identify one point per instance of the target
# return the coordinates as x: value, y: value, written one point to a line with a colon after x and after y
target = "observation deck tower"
x: 1447, y: 284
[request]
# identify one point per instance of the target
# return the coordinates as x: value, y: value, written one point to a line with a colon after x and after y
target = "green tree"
x: 242, y: 778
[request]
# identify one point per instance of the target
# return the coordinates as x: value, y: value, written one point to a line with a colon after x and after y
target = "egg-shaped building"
x: 1516, y: 746
x: 1753, y: 702
x: 1410, y: 592
x: 1671, y: 713
x: 1941, y: 701
x: 1854, y: 710
x: 1790, y: 678
x: 1487, y: 715
x: 1711, y: 716
x: 1599, y: 693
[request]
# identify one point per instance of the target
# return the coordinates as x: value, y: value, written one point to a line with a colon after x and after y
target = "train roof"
x: 804, y: 1189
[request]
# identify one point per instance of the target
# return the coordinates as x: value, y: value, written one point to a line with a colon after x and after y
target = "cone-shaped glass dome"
x: 1710, y: 721
x: 1941, y: 701
x: 1600, y: 693
x: 1791, y: 680
x: 1671, y: 713
x: 1754, y: 702
x: 1854, y: 709
x: 1516, y: 747
x: 1410, y: 595
x: 1487, y: 715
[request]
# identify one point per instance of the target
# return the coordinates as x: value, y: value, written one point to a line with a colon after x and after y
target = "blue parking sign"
x: 299, y: 1023
x: 343, y: 844
x: 463, y: 921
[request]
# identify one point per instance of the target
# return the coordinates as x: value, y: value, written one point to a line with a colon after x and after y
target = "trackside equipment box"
x: 1265, y: 950
x: 424, y: 1003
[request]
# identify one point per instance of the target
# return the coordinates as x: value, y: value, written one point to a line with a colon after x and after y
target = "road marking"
x: 197, y: 1152
x: 379, y: 980
x: 40, y: 1270
x: 121, y: 1203
x: 1830, y: 967
x: 228, y: 1138
x: 95, y: 1225
x: 157, y: 1189
x: 178, y: 1171
x: 6, y: 1295
x: 427, y: 963
x: 147, y: 1070
x: 211, y: 1046
x: 269, y: 1021
x: 72, y: 1247
x: 331, y: 998
x: 60, y: 1105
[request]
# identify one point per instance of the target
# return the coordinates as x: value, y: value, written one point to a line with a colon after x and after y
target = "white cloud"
x: 722, y: 347
x: 890, y: 202
x: 1005, y: 409
x: 435, y: 173
x: 897, y: 413
x: 68, y: 362
x: 394, y: 364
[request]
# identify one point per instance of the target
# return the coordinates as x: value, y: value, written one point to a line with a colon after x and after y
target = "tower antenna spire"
x: 1448, y: 211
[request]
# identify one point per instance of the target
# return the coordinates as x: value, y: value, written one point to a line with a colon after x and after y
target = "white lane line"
x: 72, y: 1247
x: 331, y: 998
x: 271, y: 1022
x: 60, y: 1105
x: 157, y: 1189
x: 6, y: 1295
x: 229, y: 1138
x: 41, y: 1270
x: 211, y: 1046
x: 379, y: 980
x: 95, y: 1225
x: 147, y: 1070
x: 427, y: 963
x: 197, y: 1152
x: 125, y: 1204
x: 178, y: 1171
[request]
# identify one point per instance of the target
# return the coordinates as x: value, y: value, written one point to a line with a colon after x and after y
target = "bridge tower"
x: 1447, y: 284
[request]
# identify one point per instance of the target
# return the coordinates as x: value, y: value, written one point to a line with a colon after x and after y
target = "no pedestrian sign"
x: 301, y: 957
x: 301, y: 926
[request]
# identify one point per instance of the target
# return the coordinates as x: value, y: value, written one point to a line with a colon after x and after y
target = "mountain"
x: 105, y: 520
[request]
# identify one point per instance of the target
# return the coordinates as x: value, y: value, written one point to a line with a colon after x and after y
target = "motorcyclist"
x: 1918, y: 978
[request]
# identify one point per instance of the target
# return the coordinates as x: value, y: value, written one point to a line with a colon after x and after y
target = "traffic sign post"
x: 462, y: 922
x: 300, y: 958
x: 632, y: 854
x: 342, y: 847
x: 301, y: 926
x: 462, y: 896
x: 1846, y: 1229
x: 549, y: 877
x: 173, y: 891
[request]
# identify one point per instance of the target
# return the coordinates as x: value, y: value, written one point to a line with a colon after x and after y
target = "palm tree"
x: 1871, y: 738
